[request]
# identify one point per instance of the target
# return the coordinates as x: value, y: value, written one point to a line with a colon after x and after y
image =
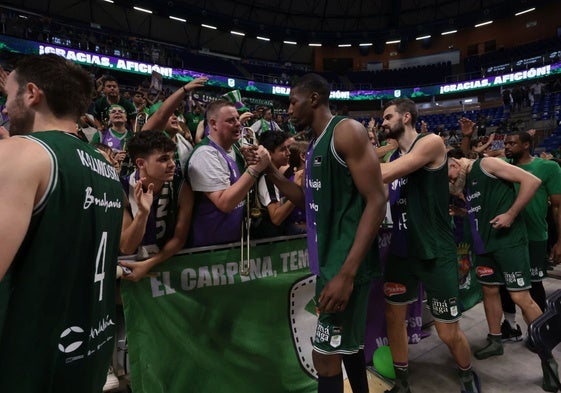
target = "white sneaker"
x: 112, y: 382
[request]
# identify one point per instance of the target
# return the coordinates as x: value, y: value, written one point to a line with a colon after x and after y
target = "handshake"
x: 256, y: 157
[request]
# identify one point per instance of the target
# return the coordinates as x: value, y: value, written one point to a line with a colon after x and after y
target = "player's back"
x: 58, y: 330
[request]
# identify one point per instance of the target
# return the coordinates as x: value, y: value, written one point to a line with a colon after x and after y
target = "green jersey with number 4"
x: 58, y: 328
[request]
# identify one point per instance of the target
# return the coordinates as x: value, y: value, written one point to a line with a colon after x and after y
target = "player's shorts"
x: 343, y: 332
x: 508, y: 266
x: 440, y: 280
x: 538, y: 258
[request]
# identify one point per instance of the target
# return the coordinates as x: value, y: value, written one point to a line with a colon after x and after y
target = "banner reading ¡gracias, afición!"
x: 198, y: 326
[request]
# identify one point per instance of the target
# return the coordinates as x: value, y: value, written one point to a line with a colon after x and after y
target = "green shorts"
x: 439, y: 277
x: 343, y: 332
x: 509, y: 267
x: 538, y: 257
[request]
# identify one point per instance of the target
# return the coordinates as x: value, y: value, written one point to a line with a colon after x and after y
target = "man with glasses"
x: 216, y: 173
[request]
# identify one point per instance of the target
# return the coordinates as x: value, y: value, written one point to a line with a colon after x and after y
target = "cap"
x: 235, y: 97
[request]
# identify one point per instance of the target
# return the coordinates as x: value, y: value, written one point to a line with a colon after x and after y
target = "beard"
x: 21, y: 121
x: 513, y: 156
x: 397, y: 131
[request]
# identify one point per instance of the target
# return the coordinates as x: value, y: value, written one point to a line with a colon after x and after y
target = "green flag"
x: 198, y: 326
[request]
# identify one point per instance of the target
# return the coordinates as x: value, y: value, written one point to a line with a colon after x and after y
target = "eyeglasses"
x: 113, y: 111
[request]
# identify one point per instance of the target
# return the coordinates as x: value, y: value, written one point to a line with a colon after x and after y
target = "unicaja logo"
x: 68, y: 340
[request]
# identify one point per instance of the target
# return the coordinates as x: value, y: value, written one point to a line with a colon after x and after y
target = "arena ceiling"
x: 330, y: 22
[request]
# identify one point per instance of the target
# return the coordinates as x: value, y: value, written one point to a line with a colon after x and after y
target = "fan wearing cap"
x: 163, y: 116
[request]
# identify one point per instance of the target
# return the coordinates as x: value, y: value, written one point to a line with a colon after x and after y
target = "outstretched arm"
x: 484, y: 147
x: 429, y: 151
x: 159, y: 119
x: 467, y: 127
x: 226, y: 200
x: 289, y: 189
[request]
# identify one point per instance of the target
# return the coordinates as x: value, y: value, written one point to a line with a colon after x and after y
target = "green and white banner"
x: 199, y: 326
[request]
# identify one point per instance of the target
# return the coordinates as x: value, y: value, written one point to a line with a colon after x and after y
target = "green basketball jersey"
x: 338, y: 208
x: 59, y: 324
x: 535, y: 212
x: 419, y: 203
x: 488, y: 196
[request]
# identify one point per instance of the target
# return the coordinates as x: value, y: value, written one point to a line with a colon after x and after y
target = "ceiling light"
x: 237, y: 33
x: 393, y: 42
x: 525, y: 11
x: 263, y: 38
x: 314, y: 44
x: 344, y: 45
x: 449, y: 32
x: 178, y: 19
x: 422, y: 37
x: 142, y: 10
x: 365, y: 44
x: 109, y: 1
x: 208, y: 26
x: 290, y: 42
x: 484, y: 23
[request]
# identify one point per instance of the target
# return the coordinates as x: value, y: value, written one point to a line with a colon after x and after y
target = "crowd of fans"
x: 190, y: 169
x: 114, y: 119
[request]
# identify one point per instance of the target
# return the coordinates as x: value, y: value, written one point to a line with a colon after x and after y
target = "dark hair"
x: 109, y: 78
x: 144, y: 143
x: 314, y: 83
x: 526, y: 138
x: 270, y: 140
x: 214, y: 107
x: 66, y: 86
x: 403, y: 105
x: 456, y: 153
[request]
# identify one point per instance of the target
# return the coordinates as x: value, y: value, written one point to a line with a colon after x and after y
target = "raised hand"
x: 467, y: 126
x: 143, y: 198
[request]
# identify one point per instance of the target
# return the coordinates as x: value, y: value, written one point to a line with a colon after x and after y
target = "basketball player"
x: 345, y: 203
x: 60, y: 217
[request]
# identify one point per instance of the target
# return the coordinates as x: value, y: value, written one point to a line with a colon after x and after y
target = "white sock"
x: 511, y: 318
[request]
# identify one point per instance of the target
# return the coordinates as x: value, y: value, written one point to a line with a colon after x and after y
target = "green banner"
x: 198, y: 326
